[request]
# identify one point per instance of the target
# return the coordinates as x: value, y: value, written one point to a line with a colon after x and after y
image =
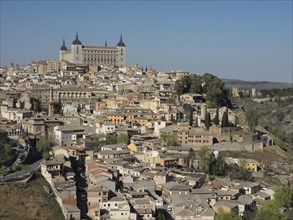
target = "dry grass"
x: 265, y: 156
x: 28, y: 201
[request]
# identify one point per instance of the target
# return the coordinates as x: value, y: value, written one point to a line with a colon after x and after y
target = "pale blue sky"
x: 250, y: 40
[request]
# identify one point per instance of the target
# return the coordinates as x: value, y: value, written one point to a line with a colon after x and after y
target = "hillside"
x: 259, y: 85
x: 28, y: 201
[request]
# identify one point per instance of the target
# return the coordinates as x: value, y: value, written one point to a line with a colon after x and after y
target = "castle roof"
x: 121, y: 43
x: 63, y: 47
x: 76, y: 41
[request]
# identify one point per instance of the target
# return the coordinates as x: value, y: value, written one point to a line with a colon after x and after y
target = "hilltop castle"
x: 94, y: 55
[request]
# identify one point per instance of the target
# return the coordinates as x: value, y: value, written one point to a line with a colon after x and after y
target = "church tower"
x: 63, y: 48
x: 121, y: 53
x: 76, y: 51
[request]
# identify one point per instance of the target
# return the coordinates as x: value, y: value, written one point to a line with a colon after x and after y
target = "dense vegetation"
x: 44, y: 147
x: 277, y: 92
x: 6, y: 152
x: 271, y: 209
x: 276, y: 116
x: 214, y: 90
x: 102, y: 139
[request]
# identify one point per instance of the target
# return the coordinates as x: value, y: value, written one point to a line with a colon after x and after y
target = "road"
x: 22, y: 173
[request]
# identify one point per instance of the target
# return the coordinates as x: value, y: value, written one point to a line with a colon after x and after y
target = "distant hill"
x: 259, y: 85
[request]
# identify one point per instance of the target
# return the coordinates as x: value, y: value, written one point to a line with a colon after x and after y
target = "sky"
x: 248, y: 40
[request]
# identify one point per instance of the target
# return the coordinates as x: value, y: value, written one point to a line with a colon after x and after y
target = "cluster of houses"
x: 130, y: 180
x: 125, y: 184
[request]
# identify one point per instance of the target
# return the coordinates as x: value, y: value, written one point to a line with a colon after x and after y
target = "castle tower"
x: 121, y: 53
x: 63, y: 48
x: 76, y: 51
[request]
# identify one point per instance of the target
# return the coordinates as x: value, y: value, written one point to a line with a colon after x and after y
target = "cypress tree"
x: 216, y: 119
x: 207, y: 120
x: 191, y: 117
x: 225, y: 120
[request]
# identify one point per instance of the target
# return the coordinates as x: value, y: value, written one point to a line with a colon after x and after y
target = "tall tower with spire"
x: 76, y: 50
x: 121, y: 53
x: 62, y: 50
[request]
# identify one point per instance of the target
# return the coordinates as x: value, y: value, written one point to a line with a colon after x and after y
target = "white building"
x: 105, y: 128
x: 68, y: 135
x: 118, y: 208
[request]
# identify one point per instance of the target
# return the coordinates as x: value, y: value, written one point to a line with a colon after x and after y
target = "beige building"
x: 94, y: 55
x: 48, y: 66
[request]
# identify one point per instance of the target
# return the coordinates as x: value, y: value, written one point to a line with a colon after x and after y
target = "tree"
x: 207, y: 157
x: 270, y: 211
x: 111, y: 139
x: 196, y: 85
x: 14, y: 103
x: 58, y: 108
x: 123, y: 139
x: 168, y: 139
x: 178, y: 88
x: 284, y: 196
x: 21, y: 105
x: 227, y: 216
x: 207, y: 121
x: 35, y: 104
x: 217, y: 166
x: 191, y: 117
x: 251, y: 118
x: 161, y: 216
x: 216, y: 118
x: 225, y: 119
x: 6, y: 152
x: 38, y: 106
x: 44, y: 146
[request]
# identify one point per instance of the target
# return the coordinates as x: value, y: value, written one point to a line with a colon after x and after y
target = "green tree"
x: 216, y: 118
x: 6, y: 152
x: 161, y: 216
x: 123, y: 139
x: 38, y: 106
x: 207, y: 121
x: 207, y: 157
x: 21, y: 105
x: 111, y: 139
x: 225, y: 120
x: 270, y: 211
x: 196, y: 84
x: 14, y: 103
x: 217, y: 166
x: 227, y: 216
x: 215, y: 90
x: 251, y: 116
x: 15, y: 167
x: 44, y: 146
x: 178, y: 88
x: 35, y: 104
x: 168, y: 139
x: 284, y: 196
x: 58, y: 108
x: 191, y: 117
